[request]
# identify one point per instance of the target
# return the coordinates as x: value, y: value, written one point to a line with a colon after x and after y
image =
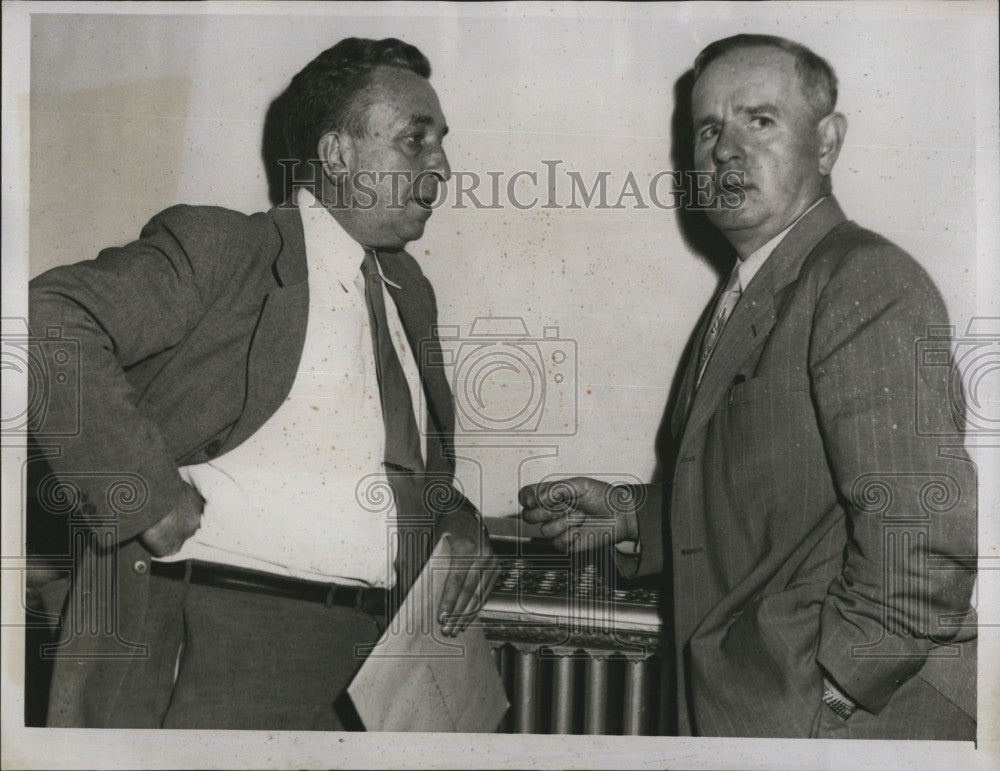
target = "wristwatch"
x: 837, y: 701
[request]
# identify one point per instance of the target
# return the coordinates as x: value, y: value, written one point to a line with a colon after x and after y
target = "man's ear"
x: 334, y: 150
x: 831, y: 130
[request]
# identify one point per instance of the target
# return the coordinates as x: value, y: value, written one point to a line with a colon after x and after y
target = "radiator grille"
x: 580, y: 651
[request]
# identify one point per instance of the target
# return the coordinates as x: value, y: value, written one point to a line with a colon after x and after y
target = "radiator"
x: 579, y: 651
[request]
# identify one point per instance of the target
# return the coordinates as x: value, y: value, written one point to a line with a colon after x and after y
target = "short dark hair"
x: 328, y: 93
x: 818, y: 78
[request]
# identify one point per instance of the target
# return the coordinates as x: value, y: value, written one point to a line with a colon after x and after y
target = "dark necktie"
x: 404, y: 465
x: 402, y: 437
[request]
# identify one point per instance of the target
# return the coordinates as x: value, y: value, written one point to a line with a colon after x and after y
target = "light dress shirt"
x: 306, y: 495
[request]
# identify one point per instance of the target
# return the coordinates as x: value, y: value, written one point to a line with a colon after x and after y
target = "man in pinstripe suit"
x: 819, y: 542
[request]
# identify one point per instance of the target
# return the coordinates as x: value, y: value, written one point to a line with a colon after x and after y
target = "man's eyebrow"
x: 420, y: 121
x: 755, y: 109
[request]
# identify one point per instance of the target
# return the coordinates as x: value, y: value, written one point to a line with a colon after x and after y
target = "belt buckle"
x: 372, y: 600
x: 331, y: 595
x: 357, y: 596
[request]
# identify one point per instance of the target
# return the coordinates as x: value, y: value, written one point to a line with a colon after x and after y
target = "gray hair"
x: 818, y: 78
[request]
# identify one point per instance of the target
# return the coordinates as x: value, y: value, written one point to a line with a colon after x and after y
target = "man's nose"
x: 728, y: 146
x: 437, y: 164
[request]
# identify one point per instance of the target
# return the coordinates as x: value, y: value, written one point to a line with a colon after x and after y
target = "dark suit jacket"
x: 190, y: 339
x: 811, y: 527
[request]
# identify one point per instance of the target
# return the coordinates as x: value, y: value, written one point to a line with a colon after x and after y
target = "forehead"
x: 399, y: 96
x: 749, y: 76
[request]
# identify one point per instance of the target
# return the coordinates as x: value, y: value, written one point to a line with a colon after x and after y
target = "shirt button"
x: 140, y: 566
x: 212, y: 448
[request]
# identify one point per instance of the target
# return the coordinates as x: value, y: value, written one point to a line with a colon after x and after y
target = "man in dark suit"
x: 817, y: 542
x: 249, y: 395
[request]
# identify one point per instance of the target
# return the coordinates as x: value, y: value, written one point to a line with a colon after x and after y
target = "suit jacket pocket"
x: 771, y: 386
x: 753, y: 670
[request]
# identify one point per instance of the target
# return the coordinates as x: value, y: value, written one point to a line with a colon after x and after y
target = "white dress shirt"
x: 306, y: 495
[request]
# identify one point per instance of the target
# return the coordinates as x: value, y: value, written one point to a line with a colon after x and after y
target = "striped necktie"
x: 723, y: 310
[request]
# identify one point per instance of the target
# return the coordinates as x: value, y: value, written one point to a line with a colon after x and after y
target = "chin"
x: 732, y: 219
x: 412, y: 233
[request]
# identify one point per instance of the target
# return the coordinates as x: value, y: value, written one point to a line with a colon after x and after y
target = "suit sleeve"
x: 128, y: 304
x: 909, y: 495
x: 648, y: 560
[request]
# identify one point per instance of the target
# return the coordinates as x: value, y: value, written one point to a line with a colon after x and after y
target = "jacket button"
x: 212, y: 448
x: 140, y: 566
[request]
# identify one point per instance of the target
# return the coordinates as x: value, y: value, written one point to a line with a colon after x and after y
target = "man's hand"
x: 168, y: 535
x: 569, y: 508
x: 472, y: 571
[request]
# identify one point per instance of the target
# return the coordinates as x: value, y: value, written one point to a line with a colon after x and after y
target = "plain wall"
x: 133, y: 113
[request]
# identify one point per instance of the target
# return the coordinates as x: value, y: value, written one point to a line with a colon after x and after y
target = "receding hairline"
x: 816, y: 76
x: 376, y: 85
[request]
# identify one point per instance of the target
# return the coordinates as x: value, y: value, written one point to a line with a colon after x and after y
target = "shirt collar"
x: 747, y: 269
x: 332, y: 246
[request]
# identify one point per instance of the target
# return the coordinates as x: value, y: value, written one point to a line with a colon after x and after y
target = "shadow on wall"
x: 705, y: 241
x: 273, y: 149
x: 698, y: 233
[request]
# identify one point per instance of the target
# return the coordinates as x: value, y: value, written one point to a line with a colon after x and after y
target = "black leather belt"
x: 369, y: 600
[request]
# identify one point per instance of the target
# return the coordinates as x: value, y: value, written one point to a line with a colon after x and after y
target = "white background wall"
x: 133, y: 113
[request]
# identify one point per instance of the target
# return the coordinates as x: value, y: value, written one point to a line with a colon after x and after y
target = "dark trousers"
x: 223, y: 658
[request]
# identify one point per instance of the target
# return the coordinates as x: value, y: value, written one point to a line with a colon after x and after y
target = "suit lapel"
x: 685, y: 394
x: 276, y: 347
x: 746, y: 330
x: 754, y: 315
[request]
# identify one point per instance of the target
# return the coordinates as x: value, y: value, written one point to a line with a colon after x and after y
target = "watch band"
x: 836, y: 701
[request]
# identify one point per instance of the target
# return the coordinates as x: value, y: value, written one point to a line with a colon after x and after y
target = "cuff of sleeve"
x: 126, y: 503
x: 868, y: 680
x: 627, y: 564
x: 648, y: 555
x: 163, y: 495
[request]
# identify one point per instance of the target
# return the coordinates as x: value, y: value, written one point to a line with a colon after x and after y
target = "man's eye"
x: 761, y: 121
x: 413, y: 141
x: 708, y: 132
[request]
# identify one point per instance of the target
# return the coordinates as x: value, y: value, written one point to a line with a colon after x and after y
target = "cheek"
x: 704, y: 155
x: 771, y: 165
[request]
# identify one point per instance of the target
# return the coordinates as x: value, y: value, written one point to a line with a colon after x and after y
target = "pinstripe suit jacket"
x: 812, y: 525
